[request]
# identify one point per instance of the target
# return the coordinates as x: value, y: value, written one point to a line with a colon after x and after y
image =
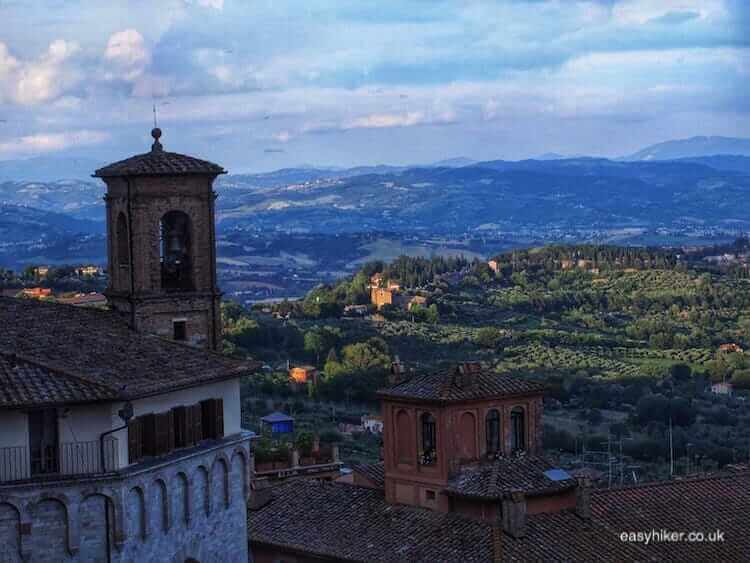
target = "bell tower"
x: 161, y: 244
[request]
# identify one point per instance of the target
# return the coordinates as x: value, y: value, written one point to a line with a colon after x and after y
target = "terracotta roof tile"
x: 157, y: 162
x: 702, y: 504
x: 98, y: 349
x: 450, y: 385
x: 24, y: 384
x: 493, y: 479
x: 346, y: 522
x: 374, y: 472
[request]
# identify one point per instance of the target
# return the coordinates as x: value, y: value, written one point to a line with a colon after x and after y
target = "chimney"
x: 466, y: 374
x: 514, y: 514
x: 583, y: 498
x: 397, y: 372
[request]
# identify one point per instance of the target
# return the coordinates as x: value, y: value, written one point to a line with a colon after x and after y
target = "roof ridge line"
x: 60, y: 371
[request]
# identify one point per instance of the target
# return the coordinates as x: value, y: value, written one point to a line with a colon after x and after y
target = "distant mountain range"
x: 693, y: 147
x: 48, y: 169
x: 452, y: 196
x: 501, y: 196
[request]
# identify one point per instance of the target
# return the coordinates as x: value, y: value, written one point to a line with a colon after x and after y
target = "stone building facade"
x: 116, y: 445
x: 190, y: 508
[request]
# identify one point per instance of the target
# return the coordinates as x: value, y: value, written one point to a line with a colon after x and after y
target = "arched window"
x: 123, y: 244
x: 518, y: 429
x: 429, y: 443
x: 492, y: 431
x: 175, y: 251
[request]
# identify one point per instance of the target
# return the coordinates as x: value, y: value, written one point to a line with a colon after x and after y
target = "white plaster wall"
x: 85, y: 423
x: 14, y: 429
x: 228, y: 390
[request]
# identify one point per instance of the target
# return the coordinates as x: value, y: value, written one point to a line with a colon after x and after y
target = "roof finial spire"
x: 156, y: 133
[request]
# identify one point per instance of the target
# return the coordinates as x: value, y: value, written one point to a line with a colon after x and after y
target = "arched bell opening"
x: 176, y: 269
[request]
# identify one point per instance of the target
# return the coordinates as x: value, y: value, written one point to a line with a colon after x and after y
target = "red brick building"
x: 463, y: 480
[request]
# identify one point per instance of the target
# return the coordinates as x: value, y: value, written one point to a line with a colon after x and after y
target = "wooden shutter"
x: 197, y: 420
x: 219, y: 418
x: 169, y: 421
x: 135, y: 440
x: 208, y: 416
x: 148, y: 434
x: 162, y: 434
x: 179, y: 419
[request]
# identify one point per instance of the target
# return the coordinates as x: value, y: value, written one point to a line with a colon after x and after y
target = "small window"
x: 429, y: 495
x: 180, y: 330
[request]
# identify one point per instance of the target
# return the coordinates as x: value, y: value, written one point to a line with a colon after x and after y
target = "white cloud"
x: 408, y: 119
x: 42, y: 80
x: 639, y: 12
x: 126, y: 51
x: 51, y: 142
x: 214, y: 4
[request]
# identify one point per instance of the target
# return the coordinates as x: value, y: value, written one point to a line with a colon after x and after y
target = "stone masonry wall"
x: 190, y: 507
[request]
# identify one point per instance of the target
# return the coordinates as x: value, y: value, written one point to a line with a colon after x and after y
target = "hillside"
x: 693, y: 147
x: 501, y: 196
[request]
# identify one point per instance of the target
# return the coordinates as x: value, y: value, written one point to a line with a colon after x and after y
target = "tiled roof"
x: 374, y: 472
x: 25, y: 384
x: 451, y: 385
x: 346, y: 522
x: 157, y: 162
x: 493, y: 479
x: 96, y: 348
x: 702, y: 504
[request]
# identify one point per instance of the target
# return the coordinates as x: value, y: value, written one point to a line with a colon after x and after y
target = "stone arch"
x: 181, y: 496
x: 201, y: 486
x: 220, y: 482
x: 137, y: 516
x: 404, y: 437
x: 10, y: 533
x: 51, y: 531
x: 161, y: 514
x: 175, y: 233
x: 97, y: 524
x: 240, y: 480
x: 467, y: 436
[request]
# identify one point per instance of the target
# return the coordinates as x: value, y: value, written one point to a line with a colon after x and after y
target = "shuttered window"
x: 197, y: 422
x: 148, y: 432
x: 156, y: 434
x: 135, y: 441
x: 183, y: 430
x: 212, y: 412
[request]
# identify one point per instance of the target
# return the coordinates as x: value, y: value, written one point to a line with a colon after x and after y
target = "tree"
x: 489, y: 337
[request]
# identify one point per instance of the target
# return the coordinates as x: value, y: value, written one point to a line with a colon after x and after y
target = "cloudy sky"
x: 260, y: 84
